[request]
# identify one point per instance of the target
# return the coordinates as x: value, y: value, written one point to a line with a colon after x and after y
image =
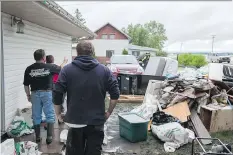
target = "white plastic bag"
x: 147, y: 109
x: 19, y: 127
x: 63, y: 136
x: 8, y: 147
x: 26, y: 148
x: 173, y: 133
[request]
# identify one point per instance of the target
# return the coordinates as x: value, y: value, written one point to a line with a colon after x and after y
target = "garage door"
x: 18, y: 54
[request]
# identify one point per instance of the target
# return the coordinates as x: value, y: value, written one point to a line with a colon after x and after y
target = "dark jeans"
x: 85, y: 141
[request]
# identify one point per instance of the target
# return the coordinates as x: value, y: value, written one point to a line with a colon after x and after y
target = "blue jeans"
x: 42, y: 100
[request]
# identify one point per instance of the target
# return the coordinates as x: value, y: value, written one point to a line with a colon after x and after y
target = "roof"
x: 141, y: 48
x: 47, y: 14
x: 127, y: 36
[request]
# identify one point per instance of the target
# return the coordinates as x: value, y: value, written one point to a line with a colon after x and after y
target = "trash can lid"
x: 132, y: 118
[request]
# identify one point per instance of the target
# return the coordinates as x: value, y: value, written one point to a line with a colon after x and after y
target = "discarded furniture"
x: 161, y: 66
x: 216, y: 120
x: 224, y: 149
x: 135, y: 84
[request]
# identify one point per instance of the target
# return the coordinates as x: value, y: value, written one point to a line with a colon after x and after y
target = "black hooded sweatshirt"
x: 86, y: 83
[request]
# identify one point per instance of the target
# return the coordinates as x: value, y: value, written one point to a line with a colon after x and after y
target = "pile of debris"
x: 173, y: 108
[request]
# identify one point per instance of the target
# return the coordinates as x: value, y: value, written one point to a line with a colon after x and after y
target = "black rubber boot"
x: 50, y: 128
x: 37, y: 132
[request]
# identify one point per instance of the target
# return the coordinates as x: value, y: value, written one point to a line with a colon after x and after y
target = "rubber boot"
x: 50, y: 128
x: 37, y: 132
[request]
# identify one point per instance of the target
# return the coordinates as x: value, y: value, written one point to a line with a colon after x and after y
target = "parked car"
x: 219, y: 59
x: 125, y: 64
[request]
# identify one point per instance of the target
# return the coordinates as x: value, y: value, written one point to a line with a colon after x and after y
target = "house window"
x: 109, y: 53
x: 136, y: 53
x: 104, y: 36
x: 112, y: 36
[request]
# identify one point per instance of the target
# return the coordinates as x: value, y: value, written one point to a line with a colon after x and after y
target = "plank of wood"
x: 179, y: 110
x: 200, y: 129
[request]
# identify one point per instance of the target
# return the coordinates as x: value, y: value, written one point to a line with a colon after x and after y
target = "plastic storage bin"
x: 133, y: 127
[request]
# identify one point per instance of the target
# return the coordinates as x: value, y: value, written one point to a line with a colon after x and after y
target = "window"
x: 112, y: 36
x: 136, y: 53
x: 109, y: 53
x: 104, y: 36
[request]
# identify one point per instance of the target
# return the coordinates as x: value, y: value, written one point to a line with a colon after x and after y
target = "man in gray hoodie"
x: 86, y: 82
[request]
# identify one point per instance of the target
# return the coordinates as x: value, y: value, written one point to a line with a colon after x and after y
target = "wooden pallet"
x: 130, y: 98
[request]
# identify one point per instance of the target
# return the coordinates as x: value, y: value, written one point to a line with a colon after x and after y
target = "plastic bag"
x: 172, y: 133
x: 26, y: 148
x: 160, y: 118
x: 19, y: 127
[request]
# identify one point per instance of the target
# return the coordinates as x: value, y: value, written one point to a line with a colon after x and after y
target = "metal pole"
x: 181, y: 45
x: 213, y: 36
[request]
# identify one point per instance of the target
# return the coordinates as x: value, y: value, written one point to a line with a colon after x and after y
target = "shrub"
x: 161, y: 54
x: 192, y: 60
x: 124, y: 52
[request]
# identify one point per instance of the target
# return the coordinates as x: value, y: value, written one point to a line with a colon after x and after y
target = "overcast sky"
x: 190, y: 23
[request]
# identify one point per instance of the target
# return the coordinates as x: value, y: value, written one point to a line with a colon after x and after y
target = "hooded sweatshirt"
x: 86, y: 83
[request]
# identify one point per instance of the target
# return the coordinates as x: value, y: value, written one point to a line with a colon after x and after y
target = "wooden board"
x: 217, y: 120
x: 130, y: 99
x: 200, y: 129
x: 179, y: 110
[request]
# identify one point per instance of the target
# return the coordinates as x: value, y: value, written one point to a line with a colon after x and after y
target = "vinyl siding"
x: 18, y: 54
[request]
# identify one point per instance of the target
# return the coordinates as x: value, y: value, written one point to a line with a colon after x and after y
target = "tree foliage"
x: 161, y: 53
x: 124, y: 52
x: 79, y: 16
x: 192, y: 60
x: 151, y: 34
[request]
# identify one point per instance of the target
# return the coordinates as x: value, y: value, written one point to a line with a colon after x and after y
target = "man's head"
x: 85, y: 48
x: 39, y: 55
x: 49, y: 59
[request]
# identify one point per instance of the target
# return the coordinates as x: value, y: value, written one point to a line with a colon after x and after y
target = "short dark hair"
x: 85, y: 48
x: 39, y: 54
x: 49, y: 59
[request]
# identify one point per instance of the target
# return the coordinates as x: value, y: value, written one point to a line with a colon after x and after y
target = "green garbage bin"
x: 133, y: 127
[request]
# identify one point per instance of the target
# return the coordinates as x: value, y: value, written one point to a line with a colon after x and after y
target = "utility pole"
x: 181, y: 45
x: 213, y: 37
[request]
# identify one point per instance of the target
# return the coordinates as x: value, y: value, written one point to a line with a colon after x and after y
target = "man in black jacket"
x: 86, y: 83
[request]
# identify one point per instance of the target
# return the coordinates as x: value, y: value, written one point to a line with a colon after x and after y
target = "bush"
x: 161, y: 54
x: 192, y: 60
x: 124, y: 52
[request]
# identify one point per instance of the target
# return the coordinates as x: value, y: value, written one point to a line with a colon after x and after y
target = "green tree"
x: 124, y: 52
x: 79, y: 16
x: 161, y: 53
x: 192, y: 60
x: 151, y: 34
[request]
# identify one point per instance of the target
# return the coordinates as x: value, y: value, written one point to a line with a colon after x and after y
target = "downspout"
x: 2, y: 80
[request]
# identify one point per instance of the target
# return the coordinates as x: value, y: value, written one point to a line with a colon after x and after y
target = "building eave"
x: 47, y: 14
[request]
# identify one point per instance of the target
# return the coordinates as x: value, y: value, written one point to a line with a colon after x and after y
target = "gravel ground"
x: 154, y: 146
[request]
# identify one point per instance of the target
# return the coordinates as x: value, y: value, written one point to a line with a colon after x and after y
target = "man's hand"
x: 29, y: 98
x: 107, y: 115
x: 65, y: 60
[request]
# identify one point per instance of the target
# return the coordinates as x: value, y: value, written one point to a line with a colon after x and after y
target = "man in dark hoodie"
x: 86, y: 83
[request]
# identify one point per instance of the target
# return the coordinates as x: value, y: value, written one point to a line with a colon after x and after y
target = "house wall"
x: 102, y: 45
x: 108, y: 29
x: 18, y: 54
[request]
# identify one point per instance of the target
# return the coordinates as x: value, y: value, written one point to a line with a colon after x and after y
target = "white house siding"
x: 102, y: 45
x: 18, y: 54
